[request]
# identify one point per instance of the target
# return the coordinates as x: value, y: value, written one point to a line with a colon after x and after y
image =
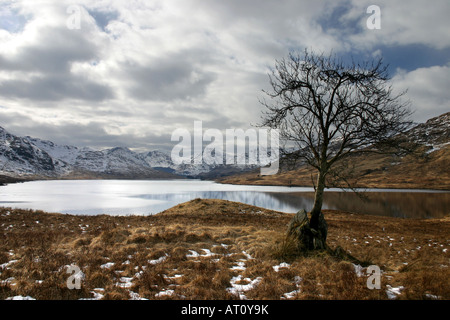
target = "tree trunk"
x: 318, y: 198
x: 312, y: 234
x: 318, y: 225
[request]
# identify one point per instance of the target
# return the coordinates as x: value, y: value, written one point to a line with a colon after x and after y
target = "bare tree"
x: 332, y: 109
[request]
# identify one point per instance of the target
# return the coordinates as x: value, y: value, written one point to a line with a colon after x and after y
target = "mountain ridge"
x: 28, y: 158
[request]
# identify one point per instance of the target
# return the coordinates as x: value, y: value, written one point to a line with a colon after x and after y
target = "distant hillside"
x: 34, y: 158
x: 428, y: 168
x: 30, y: 158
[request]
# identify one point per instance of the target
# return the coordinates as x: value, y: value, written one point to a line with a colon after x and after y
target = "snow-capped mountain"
x: 34, y: 157
x: 30, y: 157
x: 20, y: 156
x: 162, y: 160
x: 433, y: 134
x: 159, y: 159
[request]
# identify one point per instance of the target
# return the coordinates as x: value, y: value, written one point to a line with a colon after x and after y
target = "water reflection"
x: 261, y: 199
x: 394, y: 204
x: 123, y: 197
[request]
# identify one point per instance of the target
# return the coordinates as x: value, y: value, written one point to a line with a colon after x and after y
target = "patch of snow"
x: 97, y: 295
x: 281, y: 265
x: 293, y: 294
x: 6, y: 264
x: 20, y: 298
x: 432, y: 296
x: 107, y: 265
x: 290, y: 295
x: 208, y: 253
x: 173, y: 277
x: 238, y: 289
x: 125, y: 282
x: 240, y: 266
x: 358, y: 270
x: 249, y: 257
x: 7, y: 281
x: 164, y: 293
x: 436, y: 147
x: 159, y: 260
x: 392, y: 293
x: 136, y: 296
x: 193, y: 254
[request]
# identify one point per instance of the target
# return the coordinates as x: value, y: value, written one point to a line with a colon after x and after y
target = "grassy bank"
x: 216, y: 249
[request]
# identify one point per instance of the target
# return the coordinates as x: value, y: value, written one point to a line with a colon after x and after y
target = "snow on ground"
x: 393, y: 292
x: 125, y: 282
x: 358, y: 270
x: 164, y: 293
x: 107, y: 265
x: 159, y: 260
x: 20, y: 298
x: 6, y: 265
x: 239, y: 284
x: 281, y: 265
x: 195, y: 254
x: 294, y: 293
x: 239, y: 267
x: 239, y: 289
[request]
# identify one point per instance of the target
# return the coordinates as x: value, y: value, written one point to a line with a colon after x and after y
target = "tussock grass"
x: 215, y: 249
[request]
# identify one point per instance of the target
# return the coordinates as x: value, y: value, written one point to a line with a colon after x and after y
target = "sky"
x: 128, y: 73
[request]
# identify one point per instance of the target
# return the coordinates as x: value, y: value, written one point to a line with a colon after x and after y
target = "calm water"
x: 125, y: 197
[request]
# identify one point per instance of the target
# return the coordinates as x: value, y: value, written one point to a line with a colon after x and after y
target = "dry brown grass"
x: 216, y: 249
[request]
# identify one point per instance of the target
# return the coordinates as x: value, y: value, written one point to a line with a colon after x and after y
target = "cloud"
x: 136, y: 70
x: 54, y: 88
x: 427, y: 90
x: 37, y: 64
x: 168, y: 78
x: 402, y: 23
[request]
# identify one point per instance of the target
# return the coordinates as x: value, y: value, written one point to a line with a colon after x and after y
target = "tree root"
x: 312, y: 242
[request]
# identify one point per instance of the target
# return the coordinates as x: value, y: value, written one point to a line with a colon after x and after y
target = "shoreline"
x: 5, y: 180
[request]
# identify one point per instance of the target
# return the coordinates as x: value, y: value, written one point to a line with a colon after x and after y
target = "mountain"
x: 426, y: 168
x: 21, y: 157
x: 28, y: 157
x: 162, y: 161
x: 433, y: 134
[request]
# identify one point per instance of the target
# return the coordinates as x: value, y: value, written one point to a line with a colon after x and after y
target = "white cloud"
x: 428, y: 90
x: 143, y: 68
x: 402, y: 23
